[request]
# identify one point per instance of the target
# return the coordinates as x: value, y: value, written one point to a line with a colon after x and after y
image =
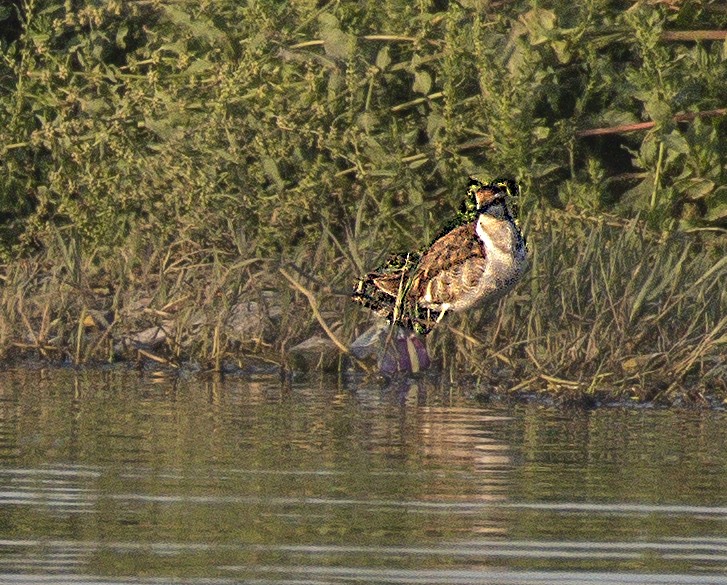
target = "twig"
x: 523, y: 384
x: 312, y: 301
x: 561, y: 381
x: 34, y: 346
x: 417, y: 101
x: 314, y: 307
x: 156, y: 358
x: 393, y: 38
x: 313, y: 43
x: 474, y: 143
x: 462, y: 146
x: 318, y: 282
x: 466, y: 336
x: 646, y: 125
x: 104, y: 335
x: 694, y: 35
x: 389, y: 38
x: 39, y: 343
x: 415, y: 157
x: 15, y: 145
x: 348, y: 171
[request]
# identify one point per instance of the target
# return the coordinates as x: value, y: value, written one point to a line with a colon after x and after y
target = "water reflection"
x: 108, y: 476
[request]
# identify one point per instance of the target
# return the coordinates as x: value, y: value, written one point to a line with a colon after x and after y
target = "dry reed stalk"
x: 79, y: 337
x: 313, y: 302
x: 156, y: 358
x: 316, y: 312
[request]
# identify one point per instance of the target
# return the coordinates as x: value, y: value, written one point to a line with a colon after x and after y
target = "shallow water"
x: 112, y: 477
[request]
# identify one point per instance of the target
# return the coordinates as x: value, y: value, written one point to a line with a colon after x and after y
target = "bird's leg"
x: 445, y: 308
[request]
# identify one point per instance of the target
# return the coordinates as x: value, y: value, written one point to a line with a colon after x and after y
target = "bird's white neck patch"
x: 495, y: 235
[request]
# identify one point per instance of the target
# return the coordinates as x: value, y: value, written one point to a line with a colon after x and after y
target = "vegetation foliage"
x: 161, y: 159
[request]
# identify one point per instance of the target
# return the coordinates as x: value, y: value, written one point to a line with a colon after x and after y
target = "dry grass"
x: 611, y: 307
x: 606, y: 305
x: 162, y: 161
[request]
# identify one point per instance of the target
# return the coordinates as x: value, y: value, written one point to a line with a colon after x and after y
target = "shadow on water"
x: 108, y: 477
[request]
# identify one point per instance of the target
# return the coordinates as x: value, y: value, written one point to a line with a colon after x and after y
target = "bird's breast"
x: 505, y: 261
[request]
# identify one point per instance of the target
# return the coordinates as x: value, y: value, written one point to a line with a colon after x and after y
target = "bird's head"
x: 483, y: 195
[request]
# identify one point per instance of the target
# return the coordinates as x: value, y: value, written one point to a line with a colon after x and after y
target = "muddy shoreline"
x: 431, y: 383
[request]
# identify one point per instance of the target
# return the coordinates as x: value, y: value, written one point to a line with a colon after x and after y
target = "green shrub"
x: 139, y: 136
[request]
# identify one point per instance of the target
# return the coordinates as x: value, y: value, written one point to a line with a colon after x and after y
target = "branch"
x: 417, y: 101
x: 317, y: 314
x: 314, y: 307
x: 647, y: 125
x: 694, y: 35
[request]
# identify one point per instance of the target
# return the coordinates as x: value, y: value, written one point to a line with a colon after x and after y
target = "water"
x: 115, y: 477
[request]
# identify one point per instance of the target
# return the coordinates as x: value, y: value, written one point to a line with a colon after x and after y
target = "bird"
x: 475, y: 260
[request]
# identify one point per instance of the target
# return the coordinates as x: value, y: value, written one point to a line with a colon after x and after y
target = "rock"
x: 314, y: 351
x: 247, y: 321
x: 148, y: 338
x: 370, y: 341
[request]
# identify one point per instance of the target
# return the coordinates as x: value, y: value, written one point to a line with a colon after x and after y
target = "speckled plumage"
x: 468, y: 265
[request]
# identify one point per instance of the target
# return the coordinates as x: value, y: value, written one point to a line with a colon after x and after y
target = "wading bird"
x: 477, y: 259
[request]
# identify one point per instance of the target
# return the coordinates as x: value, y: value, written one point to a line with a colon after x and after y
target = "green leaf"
x: 368, y: 121
x: 719, y: 195
x: 638, y: 197
x: 335, y: 82
x: 271, y: 170
x: 162, y: 128
x: 202, y: 27
x: 698, y: 188
x: 693, y: 187
x: 540, y: 170
x: 617, y: 118
x: 562, y: 51
x: 337, y: 44
x: 648, y: 150
x: 121, y: 36
x: 658, y: 110
x: 377, y: 153
x: 475, y: 5
x: 675, y: 142
x: 383, y: 60
x: 422, y: 82
x: 717, y: 213
x: 415, y: 195
x: 94, y: 106
x: 198, y: 66
x: 435, y: 122
x: 541, y: 132
x: 539, y: 24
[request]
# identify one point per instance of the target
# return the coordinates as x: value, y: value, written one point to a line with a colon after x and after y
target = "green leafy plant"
x: 163, y: 145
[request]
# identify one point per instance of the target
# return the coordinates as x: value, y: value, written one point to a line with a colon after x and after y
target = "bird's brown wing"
x: 452, y: 266
x: 390, y: 283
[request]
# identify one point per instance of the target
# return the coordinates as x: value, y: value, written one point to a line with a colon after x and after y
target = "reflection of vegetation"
x: 626, y: 464
x: 128, y: 477
x: 160, y: 160
x: 221, y: 469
